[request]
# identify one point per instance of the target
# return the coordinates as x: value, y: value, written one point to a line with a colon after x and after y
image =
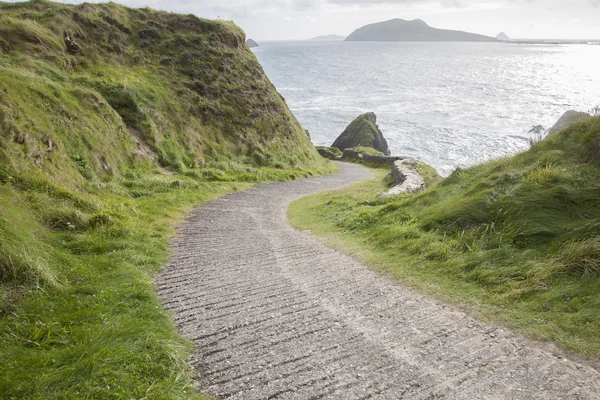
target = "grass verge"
x: 79, y: 314
x: 100, y: 331
x: 113, y: 122
x: 516, y: 240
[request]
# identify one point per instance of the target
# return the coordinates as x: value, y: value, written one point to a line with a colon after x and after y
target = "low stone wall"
x: 327, y: 153
x: 405, y: 174
x: 371, y: 158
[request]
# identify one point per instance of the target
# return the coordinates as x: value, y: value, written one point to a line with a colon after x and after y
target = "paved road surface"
x: 275, y: 314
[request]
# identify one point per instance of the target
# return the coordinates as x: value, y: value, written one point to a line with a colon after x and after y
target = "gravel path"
x: 275, y: 314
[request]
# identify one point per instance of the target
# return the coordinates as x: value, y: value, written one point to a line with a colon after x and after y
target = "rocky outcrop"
x: 251, y: 43
x: 405, y: 174
x: 399, y: 30
x: 363, y: 132
x: 537, y: 130
x: 351, y: 154
x: 329, y: 153
x: 568, y: 118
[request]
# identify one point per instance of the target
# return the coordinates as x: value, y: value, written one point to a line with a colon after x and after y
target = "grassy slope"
x: 517, y: 239
x: 429, y: 174
x: 191, y: 89
x: 368, y: 150
x: 113, y: 122
x: 99, y: 331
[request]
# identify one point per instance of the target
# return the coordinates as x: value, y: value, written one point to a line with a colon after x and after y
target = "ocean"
x: 447, y: 104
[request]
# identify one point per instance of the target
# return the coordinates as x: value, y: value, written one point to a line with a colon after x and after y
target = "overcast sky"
x: 303, y: 19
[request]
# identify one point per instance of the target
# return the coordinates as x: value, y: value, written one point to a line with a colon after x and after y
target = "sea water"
x: 448, y: 104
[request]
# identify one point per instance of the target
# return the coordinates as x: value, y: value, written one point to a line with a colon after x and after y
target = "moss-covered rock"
x: 363, y: 132
x: 367, y: 150
x: 329, y: 152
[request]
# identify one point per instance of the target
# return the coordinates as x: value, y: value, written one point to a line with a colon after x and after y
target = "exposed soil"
x: 275, y: 313
x: 142, y: 148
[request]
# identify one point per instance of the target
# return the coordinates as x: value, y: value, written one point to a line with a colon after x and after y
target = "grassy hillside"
x: 184, y: 92
x: 113, y: 123
x: 517, y: 239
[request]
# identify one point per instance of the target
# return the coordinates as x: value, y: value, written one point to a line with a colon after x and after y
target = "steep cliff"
x: 97, y: 88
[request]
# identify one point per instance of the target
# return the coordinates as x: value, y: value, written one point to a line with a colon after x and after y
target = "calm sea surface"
x: 448, y: 104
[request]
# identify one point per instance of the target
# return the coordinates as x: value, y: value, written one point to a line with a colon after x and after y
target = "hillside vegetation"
x: 517, y: 239
x: 92, y: 82
x: 113, y: 123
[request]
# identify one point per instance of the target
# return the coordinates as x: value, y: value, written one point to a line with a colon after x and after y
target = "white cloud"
x: 288, y: 19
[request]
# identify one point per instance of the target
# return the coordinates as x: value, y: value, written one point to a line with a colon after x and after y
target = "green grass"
x: 190, y: 88
x: 79, y: 314
x: 103, y: 95
x: 368, y: 150
x: 113, y: 123
x: 96, y: 328
x: 334, y: 151
x: 429, y: 174
x: 515, y: 240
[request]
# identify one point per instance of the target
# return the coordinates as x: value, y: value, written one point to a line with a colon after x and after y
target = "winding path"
x: 275, y: 314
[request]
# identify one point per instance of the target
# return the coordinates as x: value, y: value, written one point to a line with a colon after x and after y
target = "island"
x: 503, y: 37
x: 399, y: 30
x: 328, y: 38
x: 251, y: 43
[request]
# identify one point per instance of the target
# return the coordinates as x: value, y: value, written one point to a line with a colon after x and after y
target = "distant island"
x: 328, y: 38
x: 251, y: 43
x: 399, y: 30
x: 503, y: 37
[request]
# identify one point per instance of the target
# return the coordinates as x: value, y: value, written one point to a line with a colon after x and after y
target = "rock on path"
x: 275, y: 314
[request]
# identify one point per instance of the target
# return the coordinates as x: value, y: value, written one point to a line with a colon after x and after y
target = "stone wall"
x: 405, y: 174
x: 371, y: 158
x: 328, y: 153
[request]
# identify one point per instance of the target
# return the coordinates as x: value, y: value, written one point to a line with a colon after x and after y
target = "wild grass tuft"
x: 517, y: 239
x: 579, y: 257
x: 114, y: 122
